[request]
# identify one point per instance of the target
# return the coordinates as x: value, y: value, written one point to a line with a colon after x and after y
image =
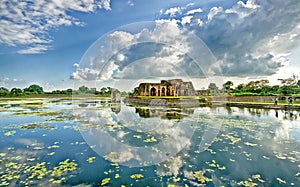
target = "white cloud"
x: 28, y: 22
x: 34, y: 50
x: 251, y: 38
x: 186, y: 20
x: 243, y: 9
x: 197, y: 10
x: 199, y: 22
x: 121, y: 57
x: 76, y: 65
x: 213, y: 12
x: 130, y: 3
x: 173, y: 11
x: 165, y: 51
x: 11, y: 82
x: 104, y: 4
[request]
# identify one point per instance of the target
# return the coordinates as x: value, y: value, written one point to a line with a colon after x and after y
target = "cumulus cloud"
x: 28, y: 22
x: 104, y: 4
x: 186, y: 20
x: 252, y: 37
x: 165, y: 51
x: 173, y: 11
x: 249, y: 38
x: 193, y: 11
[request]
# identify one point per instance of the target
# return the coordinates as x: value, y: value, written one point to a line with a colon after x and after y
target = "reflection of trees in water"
x: 164, y: 113
x: 290, y: 115
x: 258, y: 111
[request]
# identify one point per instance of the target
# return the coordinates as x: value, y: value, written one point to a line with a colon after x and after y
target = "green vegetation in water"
x: 199, y: 175
x: 91, y: 159
x: 24, y: 173
x: 105, y: 181
x: 137, y: 176
x: 148, y: 140
x: 10, y: 133
x: 214, y: 164
x: 251, y: 182
x: 36, y: 126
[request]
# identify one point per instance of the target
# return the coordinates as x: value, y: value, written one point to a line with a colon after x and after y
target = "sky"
x: 63, y: 44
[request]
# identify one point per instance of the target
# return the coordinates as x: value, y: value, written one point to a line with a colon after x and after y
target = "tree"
x: 212, y: 86
x: 69, y: 91
x: 16, y: 91
x: 103, y: 90
x: 83, y: 89
x: 213, y: 89
x: 109, y: 90
x: 227, y: 85
x: 291, y: 81
x: 263, y: 83
x: 34, y: 88
x: 3, y: 91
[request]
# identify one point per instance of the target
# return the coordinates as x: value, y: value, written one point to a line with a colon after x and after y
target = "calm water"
x: 92, y: 143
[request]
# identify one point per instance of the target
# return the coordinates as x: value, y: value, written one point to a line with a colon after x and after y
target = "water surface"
x: 94, y: 143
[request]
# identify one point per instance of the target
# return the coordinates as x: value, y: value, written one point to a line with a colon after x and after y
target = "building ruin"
x: 174, y: 87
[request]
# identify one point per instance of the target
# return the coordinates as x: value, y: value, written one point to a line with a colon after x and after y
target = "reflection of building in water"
x: 115, y: 96
x: 174, y: 87
x: 116, y: 108
x: 173, y: 114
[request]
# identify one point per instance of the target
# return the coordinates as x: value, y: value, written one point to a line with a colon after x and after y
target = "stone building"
x: 174, y: 87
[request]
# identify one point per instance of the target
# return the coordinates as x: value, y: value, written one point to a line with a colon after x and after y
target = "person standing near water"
x: 276, y: 101
x: 290, y: 99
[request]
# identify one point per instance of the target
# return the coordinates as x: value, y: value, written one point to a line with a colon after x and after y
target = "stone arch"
x: 163, y: 91
x: 152, y: 91
x: 186, y: 92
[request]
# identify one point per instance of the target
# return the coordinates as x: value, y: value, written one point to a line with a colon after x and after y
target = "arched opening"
x: 163, y: 90
x: 186, y: 92
x: 168, y: 91
x: 158, y: 93
x: 152, y: 91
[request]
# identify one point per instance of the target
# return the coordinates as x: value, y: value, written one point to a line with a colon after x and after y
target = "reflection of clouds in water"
x: 283, y: 131
x: 28, y: 153
x: 28, y: 142
x: 172, y: 136
x: 173, y: 165
x: 96, y: 118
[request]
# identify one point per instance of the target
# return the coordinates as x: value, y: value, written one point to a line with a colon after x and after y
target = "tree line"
x: 35, y: 89
x: 289, y: 86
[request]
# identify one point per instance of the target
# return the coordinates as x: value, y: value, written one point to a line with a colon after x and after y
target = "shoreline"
x: 258, y: 105
x: 169, y: 102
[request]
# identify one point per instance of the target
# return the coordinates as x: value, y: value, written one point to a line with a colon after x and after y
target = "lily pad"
x: 105, y: 181
x: 10, y: 133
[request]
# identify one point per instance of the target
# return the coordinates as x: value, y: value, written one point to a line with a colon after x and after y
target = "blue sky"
x: 44, y: 42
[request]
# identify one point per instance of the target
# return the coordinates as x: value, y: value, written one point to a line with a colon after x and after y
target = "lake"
x: 60, y: 142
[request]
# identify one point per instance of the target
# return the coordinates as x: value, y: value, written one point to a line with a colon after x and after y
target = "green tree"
x: 212, y: 86
x: 83, y: 89
x: 227, y: 85
x: 34, y: 88
x: 69, y: 91
x: 109, y: 90
x: 4, y: 91
x: 16, y: 91
x: 103, y: 90
x: 291, y: 81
